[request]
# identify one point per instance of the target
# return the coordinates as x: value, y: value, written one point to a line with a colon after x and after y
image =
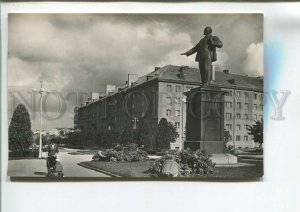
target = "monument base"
x: 209, y: 146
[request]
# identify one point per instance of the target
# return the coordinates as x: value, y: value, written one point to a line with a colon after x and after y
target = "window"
x: 245, y: 138
x: 238, y: 116
x: 178, y: 88
x: 246, y: 116
x: 246, y: 126
x: 177, y: 125
x: 246, y: 95
x: 261, y: 96
x: 169, y: 88
x: 168, y: 112
x: 177, y: 113
x: 255, y: 117
x: 228, y: 104
x: 169, y: 100
x: 238, y: 126
x: 239, y: 105
x: 228, y: 115
x: 228, y: 93
x: 228, y: 126
x: 188, y: 88
x: 255, y: 95
x: 255, y: 106
x: 238, y: 94
x: 238, y: 138
x: 246, y: 106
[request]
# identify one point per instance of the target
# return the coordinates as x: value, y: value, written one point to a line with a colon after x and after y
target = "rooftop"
x: 185, y: 74
x: 191, y: 75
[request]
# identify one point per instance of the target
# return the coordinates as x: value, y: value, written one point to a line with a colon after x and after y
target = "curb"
x: 98, y: 170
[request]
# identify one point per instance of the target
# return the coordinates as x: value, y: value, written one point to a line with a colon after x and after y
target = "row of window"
x: 238, y: 138
x: 168, y: 112
x: 246, y: 116
x: 177, y: 88
x: 238, y: 126
x: 246, y: 94
x: 246, y: 105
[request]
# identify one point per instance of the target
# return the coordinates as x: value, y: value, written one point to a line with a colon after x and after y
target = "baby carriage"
x: 54, y: 166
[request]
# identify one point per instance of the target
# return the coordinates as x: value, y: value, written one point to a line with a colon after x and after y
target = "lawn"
x: 124, y: 169
x: 139, y: 170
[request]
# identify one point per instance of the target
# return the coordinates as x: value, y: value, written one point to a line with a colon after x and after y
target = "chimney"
x: 226, y: 71
x: 95, y: 95
x: 156, y: 68
x: 181, y: 72
x: 132, y: 78
x: 110, y: 88
x: 232, y: 81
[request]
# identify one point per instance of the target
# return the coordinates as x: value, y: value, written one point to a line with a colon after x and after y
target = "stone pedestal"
x: 205, y: 119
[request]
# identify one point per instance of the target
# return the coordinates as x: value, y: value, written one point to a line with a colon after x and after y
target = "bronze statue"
x: 206, y: 54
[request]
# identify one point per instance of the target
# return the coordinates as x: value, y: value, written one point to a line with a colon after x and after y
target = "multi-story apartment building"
x: 160, y: 94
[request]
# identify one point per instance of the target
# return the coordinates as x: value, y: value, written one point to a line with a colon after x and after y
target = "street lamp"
x: 41, y: 92
x: 134, y: 127
x: 182, y: 102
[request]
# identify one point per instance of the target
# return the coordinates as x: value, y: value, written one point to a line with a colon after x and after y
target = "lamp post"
x: 134, y: 127
x: 41, y: 92
x: 182, y: 102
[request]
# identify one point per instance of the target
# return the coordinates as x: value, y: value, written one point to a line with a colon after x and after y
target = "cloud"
x: 84, y: 52
x: 253, y: 65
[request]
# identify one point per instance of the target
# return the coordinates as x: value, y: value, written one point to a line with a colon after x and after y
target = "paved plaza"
x: 37, y: 167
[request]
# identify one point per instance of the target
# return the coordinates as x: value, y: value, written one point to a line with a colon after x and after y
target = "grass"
x: 140, y: 170
x: 124, y: 169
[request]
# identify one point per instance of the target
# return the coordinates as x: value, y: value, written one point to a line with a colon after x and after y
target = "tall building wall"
x: 172, y: 107
x: 242, y: 108
x: 163, y: 97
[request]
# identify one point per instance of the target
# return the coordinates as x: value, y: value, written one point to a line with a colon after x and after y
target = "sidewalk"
x: 37, y: 167
x: 27, y: 168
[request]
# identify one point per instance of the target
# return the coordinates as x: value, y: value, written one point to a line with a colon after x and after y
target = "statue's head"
x: 207, y: 30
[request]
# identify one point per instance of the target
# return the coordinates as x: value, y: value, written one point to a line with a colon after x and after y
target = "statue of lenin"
x: 206, y: 54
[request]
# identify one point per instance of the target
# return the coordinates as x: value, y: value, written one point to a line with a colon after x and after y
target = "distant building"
x: 160, y: 94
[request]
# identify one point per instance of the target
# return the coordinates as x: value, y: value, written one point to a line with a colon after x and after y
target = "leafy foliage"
x: 227, y: 135
x: 257, y: 132
x: 125, y: 153
x: 191, y: 162
x: 166, y: 134
x: 19, y: 132
x: 75, y: 138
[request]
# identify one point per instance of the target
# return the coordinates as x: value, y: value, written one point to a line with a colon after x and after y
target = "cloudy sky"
x: 84, y: 52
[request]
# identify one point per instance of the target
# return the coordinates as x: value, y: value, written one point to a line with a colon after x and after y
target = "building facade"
x: 160, y: 94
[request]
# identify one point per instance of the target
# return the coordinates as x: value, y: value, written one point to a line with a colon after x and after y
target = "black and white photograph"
x: 135, y: 96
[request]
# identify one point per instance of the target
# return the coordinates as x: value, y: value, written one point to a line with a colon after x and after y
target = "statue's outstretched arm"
x: 191, y: 51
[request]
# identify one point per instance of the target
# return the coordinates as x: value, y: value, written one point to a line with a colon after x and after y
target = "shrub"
x: 166, y: 134
x: 191, y: 162
x: 230, y: 149
x: 19, y: 131
x: 127, y: 153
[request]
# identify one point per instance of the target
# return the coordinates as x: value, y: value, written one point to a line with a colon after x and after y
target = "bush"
x: 19, y: 132
x: 230, y: 149
x: 127, y: 153
x: 191, y: 162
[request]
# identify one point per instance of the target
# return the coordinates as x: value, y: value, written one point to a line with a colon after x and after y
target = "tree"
x: 20, y: 135
x: 227, y: 135
x: 127, y: 135
x: 257, y: 132
x: 166, y: 134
